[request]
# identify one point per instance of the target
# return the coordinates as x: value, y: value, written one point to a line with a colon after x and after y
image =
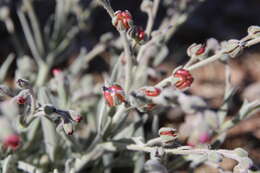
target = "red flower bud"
x: 201, y: 50
x: 152, y: 92
x: 185, y: 79
x: 12, y: 141
x: 169, y: 133
x: 122, y: 20
x: 78, y: 118
x: 21, y: 100
x: 114, y: 95
x: 138, y: 34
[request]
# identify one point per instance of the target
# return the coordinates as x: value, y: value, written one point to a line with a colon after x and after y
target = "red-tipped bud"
x: 201, y: 50
x: 185, y: 79
x: 122, y: 20
x: 68, y: 128
x: 168, y: 135
x: 78, y: 118
x: 12, y: 141
x: 20, y: 100
x: 138, y: 34
x: 75, y: 116
x: 114, y: 95
x: 152, y: 91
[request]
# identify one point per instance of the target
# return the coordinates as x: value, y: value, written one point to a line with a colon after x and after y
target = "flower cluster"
x: 123, y: 21
x: 64, y: 118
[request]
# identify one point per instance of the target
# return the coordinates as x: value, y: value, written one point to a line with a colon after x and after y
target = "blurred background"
x: 220, y: 19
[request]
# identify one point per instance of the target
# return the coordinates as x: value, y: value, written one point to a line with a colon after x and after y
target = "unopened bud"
x: 12, y: 141
x: 75, y: 116
x: 254, y: 31
x: 122, y: 20
x: 197, y: 50
x: 68, y: 128
x: 233, y: 47
x: 167, y: 135
x: 20, y: 100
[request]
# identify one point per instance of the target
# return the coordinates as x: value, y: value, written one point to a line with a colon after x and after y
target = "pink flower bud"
x: 12, y: 141
x: 201, y: 50
x: 204, y: 138
x: 56, y: 71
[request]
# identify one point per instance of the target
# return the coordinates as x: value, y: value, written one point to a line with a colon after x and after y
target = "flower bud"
x: 75, y: 116
x: 20, y: 100
x: 167, y: 135
x: 138, y: 34
x: 151, y: 91
x: 12, y: 141
x: 122, y: 20
x: 185, y: 79
x: 114, y: 95
x: 233, y: 47
x: 68, y: 128
x: 142, y: 98
x: 254, y: 31
x: 197, y: 50
x: 22, y: 96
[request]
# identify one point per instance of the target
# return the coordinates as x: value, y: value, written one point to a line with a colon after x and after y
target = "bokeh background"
x: 220, y: 19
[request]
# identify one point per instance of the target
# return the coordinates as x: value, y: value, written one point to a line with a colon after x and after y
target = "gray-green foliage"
x: 63, y: 120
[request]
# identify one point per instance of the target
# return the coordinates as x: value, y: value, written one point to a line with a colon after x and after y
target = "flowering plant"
x: 67, y: 121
